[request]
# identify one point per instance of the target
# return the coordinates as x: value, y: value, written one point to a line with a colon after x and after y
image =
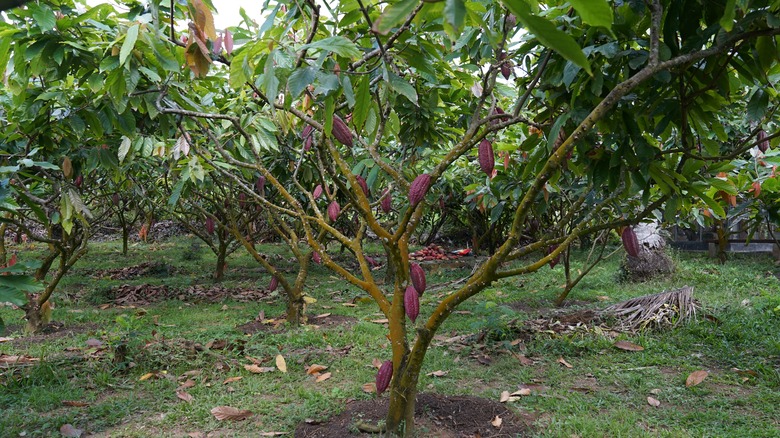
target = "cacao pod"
x: 371, y: 262
x: 487, y: 160
x: 341, y: 131
x: 763, y: 143
x: 79, y: 181
x: 317, y: 191
x: 419, y: 188
x: 418, y: 277
x: 115, y: 198
x: 67, y: 167
x: 260, y: 185
x: 210, y: 225
x: 630, y: 242
x: 387, y: 202
x: 315, y: 256
x: 217, y: 46
x: 242, y: 200
x: 510, y: 22
x: 502, y: 115
x: 273, y: 284
x: 362, y: 183
x: 383, y: 376
x: 228, y: 41
x: 308, y: 137
x: 756, y: 189
x: 506, y: 70
x: 557, y: 259
x: 412, y: 303
x: 333, y: 211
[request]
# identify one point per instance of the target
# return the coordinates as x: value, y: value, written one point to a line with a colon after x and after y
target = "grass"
x: 603, y: 394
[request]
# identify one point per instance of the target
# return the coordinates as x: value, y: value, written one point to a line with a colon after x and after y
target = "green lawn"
x: 604, y: 393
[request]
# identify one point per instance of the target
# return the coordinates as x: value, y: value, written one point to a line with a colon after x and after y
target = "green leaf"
x: 725, y: 186
x: 336, y: 44
x: 394, y: 15
x: 2, y: 326
x: 757, y: 105
x: 729, y: 12
x: 128, y: 44
x: 124, y: 148
x: 299, y: 80
x: 594, y: 12
x: 400, y: 86
x: 548, y: 34
x: 455, y: 13
x: 717, y: 210
x: 44, y: 17
x: 362, y: 102
x: 5, y: 52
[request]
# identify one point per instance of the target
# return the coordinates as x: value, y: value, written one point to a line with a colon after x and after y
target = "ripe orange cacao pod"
x: 383, y: 376
x: 630, y: 242
x: 487, y: 160
x: 419, y: 188
x: 210, y: 225
x: 333, y: 211
x: 387, y: 201
x: 412, y: 303
x: 317, y: 191
x: 362, y: 183
x: 273, y: 284
x: 418, y: 277
x: 308, y: 137
x: 763, y: 143
x: 341, y: 131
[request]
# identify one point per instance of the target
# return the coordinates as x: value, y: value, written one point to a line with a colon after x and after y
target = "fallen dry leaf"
x: 6, y: 359
x: 74, y: 403
x: 349, y: 305
x: 253, y: 360
x: 497, y: 422
x: 516, y: 342
x: 232, y: 379
x: 323, y: 377
x: 653, y: 402
x: 563, y: 362
x: 273, y: 433
x: 258, y: 369
x: 189, y: 383
x: 280, y: 363
x: 314, y: 368
x: 438, y: 373
x: 230, y: 413
x: 628, y: 346
x: 321, y: 315
x: 696, y: 377
x: 376, y: 363
x: 67, y: 430
x: 369, y: 387
x: 380, y: 321
x: 186, y: 396
x: 524, y: 360
x: 2, y: 339
x: 147, y: 376
x: 522, y: 391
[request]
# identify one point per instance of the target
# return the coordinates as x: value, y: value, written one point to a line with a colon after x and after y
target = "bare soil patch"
x: 53, y: 330
x: 435, y: 416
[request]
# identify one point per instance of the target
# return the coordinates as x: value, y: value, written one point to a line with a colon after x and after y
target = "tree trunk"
x: 32, y: 313
x: 219, y: 273
x: 295, y: 308
x: 125, y: 239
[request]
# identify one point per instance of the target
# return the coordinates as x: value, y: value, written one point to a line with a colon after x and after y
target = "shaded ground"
x: 277, y: 325
x: 436, y: 416
x: 53, y: 330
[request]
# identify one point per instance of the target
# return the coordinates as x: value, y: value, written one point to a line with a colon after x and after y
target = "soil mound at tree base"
x: 435, y: 416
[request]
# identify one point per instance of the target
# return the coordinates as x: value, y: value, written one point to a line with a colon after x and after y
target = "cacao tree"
x: 368, y: 99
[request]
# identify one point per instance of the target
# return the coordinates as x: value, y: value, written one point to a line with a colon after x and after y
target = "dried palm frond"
x: 665, y: 309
